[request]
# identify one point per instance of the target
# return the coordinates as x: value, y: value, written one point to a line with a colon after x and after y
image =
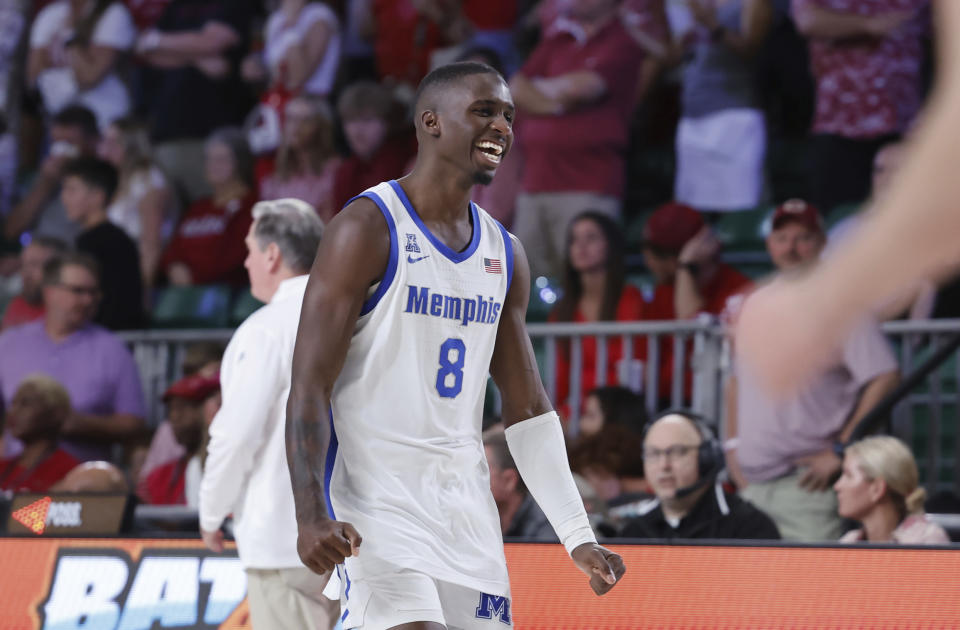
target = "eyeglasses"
x: 93, y: 292
x: 673, y: 453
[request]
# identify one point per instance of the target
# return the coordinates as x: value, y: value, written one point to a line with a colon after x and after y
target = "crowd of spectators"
x: 136, y: 137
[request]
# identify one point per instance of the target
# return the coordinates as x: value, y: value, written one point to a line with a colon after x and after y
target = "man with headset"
x: 681, y: 462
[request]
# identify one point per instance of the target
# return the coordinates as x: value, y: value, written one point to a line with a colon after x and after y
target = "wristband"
x: 731, y: 444
x: 540, y: 454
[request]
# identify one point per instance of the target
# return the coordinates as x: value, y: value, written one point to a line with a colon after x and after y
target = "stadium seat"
x: 743, y: 231
x: 192, y: 307
x: 243, y: 306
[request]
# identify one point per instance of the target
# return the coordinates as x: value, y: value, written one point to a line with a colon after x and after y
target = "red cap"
x: 195, y: 388
x: 800, y: 211
x: 671, y: 226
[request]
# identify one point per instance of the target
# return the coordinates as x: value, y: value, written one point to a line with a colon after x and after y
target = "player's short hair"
x: 53, y: 267
x: 77, y: 116
x: 449, y: 74
x: 365, y: 98
x: 293, y: 225
x: 95, y: 173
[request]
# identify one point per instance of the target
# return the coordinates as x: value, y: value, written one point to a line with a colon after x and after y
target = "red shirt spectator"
x: 582, y: 149
x: 491, y: 15
x: 867, y: 86
x: 166, y: 484
x: 19, y: 311
x: 37, y: 478
x: 405, y: 40
x: 630, y: 308
x: 356, y: 174
x: 210, y: 241
x: 145, y: 13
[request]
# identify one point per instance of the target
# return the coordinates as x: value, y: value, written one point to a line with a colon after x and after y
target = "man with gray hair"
x: 246, y: 468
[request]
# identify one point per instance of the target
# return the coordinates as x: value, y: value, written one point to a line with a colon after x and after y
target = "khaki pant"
x: 800, y: 515
x: 290, y: 599
x: 541, y: 223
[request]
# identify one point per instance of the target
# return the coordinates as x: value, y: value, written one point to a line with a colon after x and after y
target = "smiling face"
x: 472, y: 121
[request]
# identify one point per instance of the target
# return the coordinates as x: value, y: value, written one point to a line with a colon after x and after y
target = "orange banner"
x: 117, y: 584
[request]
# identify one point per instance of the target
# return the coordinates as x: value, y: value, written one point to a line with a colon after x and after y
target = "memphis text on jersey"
x: 465, y: 310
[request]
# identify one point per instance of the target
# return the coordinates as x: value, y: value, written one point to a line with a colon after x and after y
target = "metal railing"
x: 926, y: 419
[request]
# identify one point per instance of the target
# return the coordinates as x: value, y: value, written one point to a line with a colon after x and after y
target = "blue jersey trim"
x: 328, y: 466
x: 456, y: 257
x: 507, y: 247
x: 391, y: 271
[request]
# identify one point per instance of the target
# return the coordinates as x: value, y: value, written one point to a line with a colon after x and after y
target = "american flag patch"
x: 492, y: 265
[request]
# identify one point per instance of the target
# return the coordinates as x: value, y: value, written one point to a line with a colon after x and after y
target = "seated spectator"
x: 192, y: 85
x: 879, y: 488
x: 145, y: 205
x: 301, y: 49
x: 380, y: 148
x: 594, y: 290
x: 208, y: 245
x: 783, y: 451
x: 681, y: 460
x: 93, y: 477
x: 88, y: 185
x: 73, y: 133
x: 576, y: 95
x: 75, y: 50
x: 200, y: 359
x: 722, y: 134
x: 178, y: 481
x: 683, y: 255
x: 520, y: 516
x: 307, y: 161
x: 36, y: 414
x: 93, y: 364
x: 28, y: 305
x: 612, y: 405
x: 610, y: 460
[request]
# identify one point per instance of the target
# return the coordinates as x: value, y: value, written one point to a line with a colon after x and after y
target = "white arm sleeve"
x: 538, y: 450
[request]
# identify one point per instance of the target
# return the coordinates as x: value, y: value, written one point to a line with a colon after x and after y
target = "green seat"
x: 243, y: 307
x: 193, y: 307
x: 743, y: 230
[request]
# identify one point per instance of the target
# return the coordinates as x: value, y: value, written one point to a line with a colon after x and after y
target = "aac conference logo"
x: 103, y: 589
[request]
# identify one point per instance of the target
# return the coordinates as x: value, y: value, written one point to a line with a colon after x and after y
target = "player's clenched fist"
x: 604, y: 567
x: 325, y: 544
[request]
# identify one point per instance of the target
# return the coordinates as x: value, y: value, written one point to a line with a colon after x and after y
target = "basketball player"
x: 415, y: 295
x: 790, y: 331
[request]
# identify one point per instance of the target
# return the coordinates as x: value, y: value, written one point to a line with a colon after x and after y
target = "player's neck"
x: 436, y: 194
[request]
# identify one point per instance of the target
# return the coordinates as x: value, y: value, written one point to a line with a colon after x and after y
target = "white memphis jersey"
x: 408, y: 467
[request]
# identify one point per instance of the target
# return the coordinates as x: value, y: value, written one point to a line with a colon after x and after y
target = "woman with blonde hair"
x: 879, y: 487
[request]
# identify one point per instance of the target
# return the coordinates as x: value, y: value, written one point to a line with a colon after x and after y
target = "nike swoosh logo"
x: 411, y: 259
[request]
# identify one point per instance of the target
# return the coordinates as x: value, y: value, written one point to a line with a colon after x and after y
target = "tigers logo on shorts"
x: 494, y: 606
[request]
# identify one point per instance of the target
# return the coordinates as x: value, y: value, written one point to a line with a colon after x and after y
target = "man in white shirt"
x: 246, y: 467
